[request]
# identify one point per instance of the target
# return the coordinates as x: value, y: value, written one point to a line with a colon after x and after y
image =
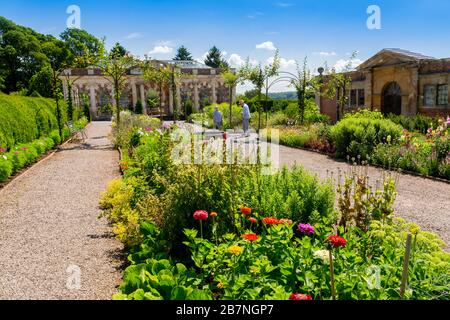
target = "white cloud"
x: 133, y: 35
x: 284, y: 63
x: 342, y: 64
x: 326, y: 53
x: 161, y: 50
x: 268, y: 45
x: 236, y: 60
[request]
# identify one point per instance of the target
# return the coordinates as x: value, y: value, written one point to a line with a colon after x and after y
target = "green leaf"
x: 178, y: 293
x: 198, y: 294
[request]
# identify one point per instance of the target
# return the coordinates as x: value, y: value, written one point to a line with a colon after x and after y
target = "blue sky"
x: 323, y: 30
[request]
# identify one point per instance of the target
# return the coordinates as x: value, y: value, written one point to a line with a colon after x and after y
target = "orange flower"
x: 250, y: 237
x: 253, y: 220
x: 270, y: 221
x: 213, y: 214
x: 246, y: 210
x: 285, y: 221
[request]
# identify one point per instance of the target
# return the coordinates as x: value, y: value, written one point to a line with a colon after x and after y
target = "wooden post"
x: 405, y: 266
x: 333, y: 289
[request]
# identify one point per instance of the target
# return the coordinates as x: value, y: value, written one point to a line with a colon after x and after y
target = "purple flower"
x: 448, y: 121
x: 148, y: 130
x: 306, y: 228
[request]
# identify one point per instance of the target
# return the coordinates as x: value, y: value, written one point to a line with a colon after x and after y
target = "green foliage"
x: 41, y: 83
x: 86, y: 49
x: 24, y: 119
x: 183, y: 54
x: 355, y: 136
x: 419, y: 123
x: 188, y: 108
x: 215, y: 59
x: 139, y: 108
x: 118, y: 51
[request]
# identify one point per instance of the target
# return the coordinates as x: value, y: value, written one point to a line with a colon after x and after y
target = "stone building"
x: 198, y: 83
x: 396, y: 81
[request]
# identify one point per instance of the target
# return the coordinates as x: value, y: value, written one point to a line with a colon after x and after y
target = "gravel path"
x: 52, y: 244
x: 420, y: 200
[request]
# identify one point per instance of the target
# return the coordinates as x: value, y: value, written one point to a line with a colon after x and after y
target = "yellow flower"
x: 414, y: 230
x: 214, y: 214
x: 234, y: 249
x: 220, y: 285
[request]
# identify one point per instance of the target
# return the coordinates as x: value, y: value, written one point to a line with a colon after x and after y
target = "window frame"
x: 438, y: 95
x: 434, y: 98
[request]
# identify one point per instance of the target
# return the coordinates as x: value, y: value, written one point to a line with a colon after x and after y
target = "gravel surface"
x: 49, y: 227
x: 420, y: 200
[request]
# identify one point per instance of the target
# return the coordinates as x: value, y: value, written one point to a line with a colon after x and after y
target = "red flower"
x: 250, y: 237
x: 337, y: 241
x: 200, y: 215
x: 300, y: 296
x: 245, y: 210
x: 270, y: 221
x: 225, y: 136
x: 252, y: 220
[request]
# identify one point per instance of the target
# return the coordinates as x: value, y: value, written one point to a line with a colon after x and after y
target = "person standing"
x: 245, y: 117
x: 217, y: 118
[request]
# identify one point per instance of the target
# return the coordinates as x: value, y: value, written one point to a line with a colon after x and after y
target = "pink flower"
x: 306, y: 228
x: 448, y: 122
x: 200, y: 215
x: 148, y: 130
x: 2, y: 150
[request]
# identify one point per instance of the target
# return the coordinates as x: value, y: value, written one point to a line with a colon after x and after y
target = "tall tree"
x: 215, y: 59
x: 183, y: 54
x: 42, y: 83
x: 87, y: 49
x: 115, y: 70
x: 60, y: 58
x: 118, y: 51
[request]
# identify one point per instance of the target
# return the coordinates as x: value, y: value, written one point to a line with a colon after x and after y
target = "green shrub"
x: 358, y: 136
x: 55, y: 136
x: 24, y: 119
x: 6, y: 168
x: 139, y: 108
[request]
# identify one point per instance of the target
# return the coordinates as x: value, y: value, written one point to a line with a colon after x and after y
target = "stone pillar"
x: 196, y: 97
x: 214, y: 94
x: 413, y: 99
x: 134, y: 93
x: 65, y: 90
x: 170, y: 100
x: 93, y: 100
x: 368, y: 85
x: 143, y: 100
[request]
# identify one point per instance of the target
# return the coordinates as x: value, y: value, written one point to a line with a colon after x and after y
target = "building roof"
x: 187, y: 64
x: 392, y: 56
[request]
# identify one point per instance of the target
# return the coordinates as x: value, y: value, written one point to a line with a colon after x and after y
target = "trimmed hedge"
x: 25, y: 119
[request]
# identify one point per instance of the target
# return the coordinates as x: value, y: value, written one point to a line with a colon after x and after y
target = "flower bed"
x: 190, y: 237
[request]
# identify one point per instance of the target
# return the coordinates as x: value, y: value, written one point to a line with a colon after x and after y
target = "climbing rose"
x: 270, y: 221
x: 200, y: 215
x: 252, y: 220
x: 337, y: 241
x: 300, y: 296
x: 306, y: 228
x: 214, y: 214
x: 245, y: 210
x: 250, y: 237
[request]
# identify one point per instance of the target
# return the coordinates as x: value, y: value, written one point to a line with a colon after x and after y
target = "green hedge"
x: 24, y: 119
x: 355, y: 136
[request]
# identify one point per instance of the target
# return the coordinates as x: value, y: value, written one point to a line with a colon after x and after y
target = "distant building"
x: 198, y: 84
x: 396, y: 81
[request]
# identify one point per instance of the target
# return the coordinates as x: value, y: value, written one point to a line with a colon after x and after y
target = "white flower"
x: 323, y: 255
x: 5, y: 157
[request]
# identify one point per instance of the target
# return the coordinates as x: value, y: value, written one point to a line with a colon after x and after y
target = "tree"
x: 115, y: 70
x: 42, y: 82
x: 259, y: 77
x: 183, y: 54
x: 215, y: 59
x: 231, y: 79
x: 335, y: 82
x: 118, y: 51
x: 86, y: 48
x: 59, y: 57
